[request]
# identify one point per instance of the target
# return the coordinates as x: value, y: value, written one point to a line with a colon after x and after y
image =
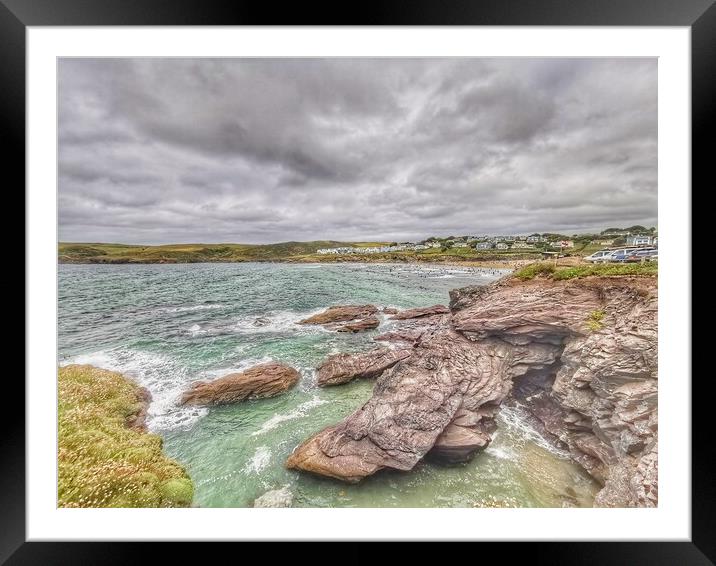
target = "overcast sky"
x: 269, y: 150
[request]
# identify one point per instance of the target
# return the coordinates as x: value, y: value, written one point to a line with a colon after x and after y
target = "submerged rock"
x: 264, y: 380
x: 342, y: 368
x: 275, y: 498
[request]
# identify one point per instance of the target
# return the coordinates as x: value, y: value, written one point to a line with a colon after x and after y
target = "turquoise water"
x: 169, y: 325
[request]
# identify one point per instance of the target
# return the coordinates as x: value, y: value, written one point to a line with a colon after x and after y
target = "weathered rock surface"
x: 421, y: 311
x: 264, y: 380
x: 411, y: 406
x: 138, y: 420
x: 401, y: 336
x: 346, y: 318
x: 275, y: 498
x: 389, y: 310
x: 580, y: 354
x: 341, y: 313
x: 342, y: 368
x: 359, y: 325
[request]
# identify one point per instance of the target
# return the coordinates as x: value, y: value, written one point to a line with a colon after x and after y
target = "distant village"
x: 634, y: 236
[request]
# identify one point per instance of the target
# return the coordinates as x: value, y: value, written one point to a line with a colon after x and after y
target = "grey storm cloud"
x: 268, y: 150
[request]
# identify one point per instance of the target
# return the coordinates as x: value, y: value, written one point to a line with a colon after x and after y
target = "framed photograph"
x: 392, y: 279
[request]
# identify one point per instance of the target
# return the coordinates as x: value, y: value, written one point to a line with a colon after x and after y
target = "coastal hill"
x: 298, y: 252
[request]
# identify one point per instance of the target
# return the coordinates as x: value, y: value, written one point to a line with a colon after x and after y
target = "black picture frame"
x: 699, y: 15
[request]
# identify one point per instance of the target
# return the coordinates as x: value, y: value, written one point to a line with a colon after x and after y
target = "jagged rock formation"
x: 346, y: 318
x: 359, y: 325
x: 138, y: 420
x: 263, y: 380
x: 342, y: 368
x: 580, y: 355
x: 420, y: 312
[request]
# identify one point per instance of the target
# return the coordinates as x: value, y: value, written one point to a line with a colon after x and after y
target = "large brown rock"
x: 341, y: 313
x: 346, y: 318
x: 264, y: 380
x: 581, y: 355
x: 342, y: 368
x: 368, y: 323
x: 420, y: 312
x: 411, y: 406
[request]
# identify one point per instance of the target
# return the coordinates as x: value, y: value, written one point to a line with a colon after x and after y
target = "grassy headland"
x: 101, y: 461
x: 549, y: 270
x: 297, y: 252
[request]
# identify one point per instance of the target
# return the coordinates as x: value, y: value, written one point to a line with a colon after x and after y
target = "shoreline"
x: 488, y: 264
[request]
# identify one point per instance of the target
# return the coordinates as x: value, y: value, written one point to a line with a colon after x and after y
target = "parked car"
x: 642, y: 255
x: 619, y: 256
x: 599, y: 257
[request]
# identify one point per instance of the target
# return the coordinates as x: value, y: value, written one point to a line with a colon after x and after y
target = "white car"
x: 599, y: 257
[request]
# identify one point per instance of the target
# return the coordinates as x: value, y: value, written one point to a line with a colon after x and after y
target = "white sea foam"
x: 300, y: 411
x: 196, y: 330
x: 276, y: 322
x: 259, y: 461
x: 238, y: 367
x: 515, y: 419
x: 501, y: 452
x: 164, y: 378
x: 191, y: 308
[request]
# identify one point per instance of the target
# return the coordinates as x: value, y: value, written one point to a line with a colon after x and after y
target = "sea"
x: 168, y: 325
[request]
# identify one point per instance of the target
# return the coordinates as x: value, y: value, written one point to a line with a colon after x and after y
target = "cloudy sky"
x: 269, y: 150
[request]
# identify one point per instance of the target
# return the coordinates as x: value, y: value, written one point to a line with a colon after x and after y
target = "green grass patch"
x: 534, y: 269
x: 283, y: 251
x: 102, y: 462
x: 595, y: 320
x: 548, y: 269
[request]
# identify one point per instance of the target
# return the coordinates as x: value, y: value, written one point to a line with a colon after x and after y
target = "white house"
x: 563, y: 244
x: 638, y: 240
x: 483, y: 246
x: 520, y: 244
x: 534, y: 239
x: 460, y: 245
x: 502, y: 246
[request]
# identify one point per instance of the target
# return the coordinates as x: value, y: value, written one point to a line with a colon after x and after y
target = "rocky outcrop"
x: 421, y: 311
x: 359, y: 325
x: 341, y: 313
x: 342, y: 368
x: 400, y: 336
x: 264, y: 380
x: 346, y: 318
x: 138, y: 419
x: 275, y: 498
x: 579, y: 355
x: 389, y: 310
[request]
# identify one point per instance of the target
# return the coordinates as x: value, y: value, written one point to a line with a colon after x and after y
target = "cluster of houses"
x: 486, y: 243
x: 478, y: 242
x: 407, y: 246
